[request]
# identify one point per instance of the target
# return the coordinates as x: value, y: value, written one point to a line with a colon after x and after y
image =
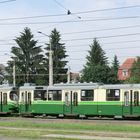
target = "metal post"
x: 50, y: 61
x: 68, y: 75
x: 50, y: 65
x: 14, y: 74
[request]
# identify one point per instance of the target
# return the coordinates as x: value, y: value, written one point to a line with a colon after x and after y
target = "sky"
x: 116, y: 30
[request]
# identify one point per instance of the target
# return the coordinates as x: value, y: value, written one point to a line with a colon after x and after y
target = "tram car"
x: 8, y: 99
x: 81, y: 99
x: 32, y: 99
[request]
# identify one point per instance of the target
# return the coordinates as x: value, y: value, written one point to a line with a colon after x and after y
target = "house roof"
x: 128, y: 63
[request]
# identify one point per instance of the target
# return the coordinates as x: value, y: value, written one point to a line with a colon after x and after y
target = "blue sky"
x: 77, y: 50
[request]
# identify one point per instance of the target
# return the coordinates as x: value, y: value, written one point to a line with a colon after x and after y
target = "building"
x: 124, y: 71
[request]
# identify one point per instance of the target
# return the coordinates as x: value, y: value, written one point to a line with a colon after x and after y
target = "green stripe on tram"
x: 47, y: 102
x: 100, y: 103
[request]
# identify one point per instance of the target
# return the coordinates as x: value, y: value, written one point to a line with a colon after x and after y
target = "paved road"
x: 85, y: 137
x: 5, y: 138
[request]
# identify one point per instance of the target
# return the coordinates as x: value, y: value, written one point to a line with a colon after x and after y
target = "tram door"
x: 3, y: 102
x: 26, y: 96
x: 71, y: 102
x: 131, y: 103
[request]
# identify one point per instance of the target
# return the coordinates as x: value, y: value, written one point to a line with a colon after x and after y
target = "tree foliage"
x: 135, y: 73
x: 59, y: 55
x: 27, y: 58
x: 96, y: 68
x: 114, y: 71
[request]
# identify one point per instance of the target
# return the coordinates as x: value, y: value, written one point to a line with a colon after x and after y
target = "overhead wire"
x: 104, y: 29
x: 109, y: 9
x: 68, y: 11
x: 69, y: 21
x: 6, y: 1
x: 100, y: 37
x: 42, y: 16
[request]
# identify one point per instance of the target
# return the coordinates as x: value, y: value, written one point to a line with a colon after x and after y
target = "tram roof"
x: 121, y: 86
x: 78, y: 84
x: 33, y: 88
x: 7, y: 87
x: 71, y: 86
x: 93, y: 86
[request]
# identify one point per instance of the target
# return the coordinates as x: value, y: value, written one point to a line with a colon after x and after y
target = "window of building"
x: 87, y: 95
x: 112, y: 94
x: 40, y: 95
x: 125, y: 73
x: 55, y: 95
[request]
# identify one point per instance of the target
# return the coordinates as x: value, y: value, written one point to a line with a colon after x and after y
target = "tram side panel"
x: 8, y: 100
x: 131, y: 106
x: 49, y: 103
x: 109, y: 102
x: 88, y: 102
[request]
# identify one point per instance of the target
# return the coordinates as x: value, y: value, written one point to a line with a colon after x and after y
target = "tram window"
x: 112, y: 95
x: 55, y: 95
x: 87, y: 95
x: 29, y: 97
x: 66, y: 99
x: 14, y: 95
x: 0, y: 96
x: 126, y: 98
x: 22, y: 96
x: 40, y: 95
x: 4, y: 98
x: 136, y: 98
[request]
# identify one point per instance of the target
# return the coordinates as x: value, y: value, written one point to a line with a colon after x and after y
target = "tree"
x: 135, y: 73
x: 96, y: 68
x: 114, y: 71
x: 59, y: 55
x: 2, y: 73
x: 27, y: 58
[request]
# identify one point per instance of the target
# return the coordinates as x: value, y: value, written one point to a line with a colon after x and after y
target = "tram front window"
x: 40, y: 95
x: 14, y: 96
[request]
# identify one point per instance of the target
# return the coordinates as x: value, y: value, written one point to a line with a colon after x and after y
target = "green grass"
x: 73, y: 126
x: 36, y: 130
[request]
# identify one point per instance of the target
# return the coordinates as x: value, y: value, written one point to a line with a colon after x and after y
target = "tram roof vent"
x: 6, y: 85
x: 29, y: 84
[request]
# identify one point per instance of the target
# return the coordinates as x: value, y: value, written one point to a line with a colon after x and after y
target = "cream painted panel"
x: 101, y: 95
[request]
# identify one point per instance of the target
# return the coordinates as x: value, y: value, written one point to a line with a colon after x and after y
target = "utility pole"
x: 14, y: 74
x: 68, y: 75
x: 50, y: 60
x: 50, y: 65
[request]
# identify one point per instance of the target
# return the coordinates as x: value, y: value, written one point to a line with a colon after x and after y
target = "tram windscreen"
x: 40, y: 95
x: 14, y: 95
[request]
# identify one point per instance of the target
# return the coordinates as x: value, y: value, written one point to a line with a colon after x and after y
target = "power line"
x: 105, y: 29
x: 100, y: 37
x: 108, y: 9
x: 60, y: 4
x: 83, y: 12
x: 31, y: 17
x: 71, y: 21
x: 79, y: 45
x: 68, y: 11
x: 118, y: 42
x: 110, y: 49
x: 7, y: 1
